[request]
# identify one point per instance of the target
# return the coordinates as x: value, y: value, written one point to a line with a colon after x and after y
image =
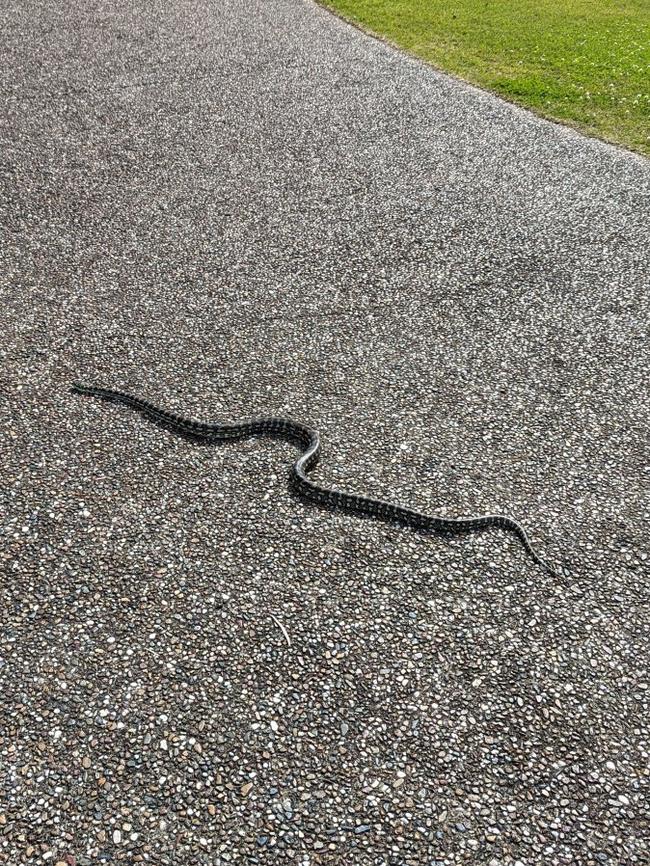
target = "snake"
x: 308, y: 440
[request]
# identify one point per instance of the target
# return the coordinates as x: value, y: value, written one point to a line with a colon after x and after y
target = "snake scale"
x: 309, y: 441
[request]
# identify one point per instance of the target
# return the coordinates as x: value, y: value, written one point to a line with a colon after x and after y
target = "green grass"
x: 583, y: 62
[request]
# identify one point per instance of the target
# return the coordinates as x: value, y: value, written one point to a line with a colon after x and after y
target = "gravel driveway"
x: 238, y: 208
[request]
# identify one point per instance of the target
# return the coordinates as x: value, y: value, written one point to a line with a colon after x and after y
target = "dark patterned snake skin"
x: 309, y: 441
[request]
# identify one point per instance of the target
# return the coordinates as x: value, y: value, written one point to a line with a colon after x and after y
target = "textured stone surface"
x: 251, y: 208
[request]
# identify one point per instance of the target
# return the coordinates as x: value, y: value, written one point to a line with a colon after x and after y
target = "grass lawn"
x: 583, y: 62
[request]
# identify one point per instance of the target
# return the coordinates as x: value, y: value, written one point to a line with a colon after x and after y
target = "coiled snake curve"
x: 309, y: 440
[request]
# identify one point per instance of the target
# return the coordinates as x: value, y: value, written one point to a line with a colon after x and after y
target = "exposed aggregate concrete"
x: 252, y: 208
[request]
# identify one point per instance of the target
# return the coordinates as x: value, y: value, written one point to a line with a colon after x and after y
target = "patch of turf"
x: 583, y: 62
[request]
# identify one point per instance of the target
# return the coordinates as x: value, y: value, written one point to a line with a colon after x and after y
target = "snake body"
x: 308, y: 440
